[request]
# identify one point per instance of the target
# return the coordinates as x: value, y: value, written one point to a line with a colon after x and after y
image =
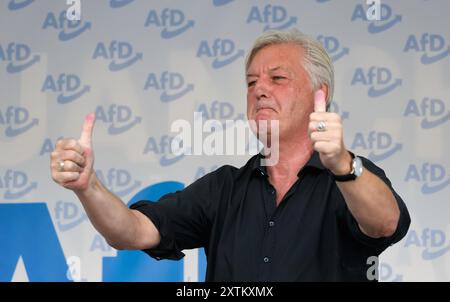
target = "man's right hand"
x: 77, y: 172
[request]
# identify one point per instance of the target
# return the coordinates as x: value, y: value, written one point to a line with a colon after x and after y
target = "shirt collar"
x: 313, y: 162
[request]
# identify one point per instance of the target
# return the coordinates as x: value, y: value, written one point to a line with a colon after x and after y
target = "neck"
x: 293, y: 155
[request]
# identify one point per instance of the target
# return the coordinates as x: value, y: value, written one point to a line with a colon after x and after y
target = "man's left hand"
x: 328, y: 141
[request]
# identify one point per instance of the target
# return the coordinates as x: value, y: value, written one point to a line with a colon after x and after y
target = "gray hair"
x: 317, y: 62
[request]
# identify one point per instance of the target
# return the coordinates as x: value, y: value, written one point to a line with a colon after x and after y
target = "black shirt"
x: 232, y: 213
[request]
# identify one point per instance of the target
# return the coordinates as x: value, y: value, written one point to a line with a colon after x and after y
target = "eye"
x: 251, y: 83
x: 278, y: 78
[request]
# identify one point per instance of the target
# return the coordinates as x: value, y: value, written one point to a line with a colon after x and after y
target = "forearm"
x: 108, y: 214
x: 372, y: 204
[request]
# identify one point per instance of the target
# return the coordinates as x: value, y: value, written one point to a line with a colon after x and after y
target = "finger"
x: 69, y: 166
x: 330, y: 127
x: 64, y: 177
x: 70, y: 144
x: 327, y: 136
x: 325, y: 116
x: 88, y: 128
x: 70, y: 155
x: 320, y: 105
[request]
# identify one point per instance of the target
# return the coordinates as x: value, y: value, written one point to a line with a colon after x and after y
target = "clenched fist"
x: 72, y: 161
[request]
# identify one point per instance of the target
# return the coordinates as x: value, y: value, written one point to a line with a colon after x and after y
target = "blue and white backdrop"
x: 142, y: 64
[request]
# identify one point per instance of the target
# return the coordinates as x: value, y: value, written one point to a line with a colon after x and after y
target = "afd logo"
x: 380, y: 144
x: 18, y: 56
x: 67, y: 86
x: 16, y: 120
x: 171, y: 85
x: 219, y: 111
x: 379, y: 80
x: 221, y: 2
x: 432, y: 46
x: 432, y: 241
x: 387, y: 18
x: 202, y: 171
x: 333, y: 47
x: 118, y: 181
x: 68, y: 30
x: 120, y: 54
x: 15, y: 184
x: 172, y: 22
x: 223, y: 51
x: 119, y: 3
x: 432, y: 176
x: 19, y: 4
x: 162, y: 147
x: 120, y: 118
x: 433, y: 112
x: 272, y: 17
x: 48, y: 146
x: 334, y: 107
x: 69, y: 215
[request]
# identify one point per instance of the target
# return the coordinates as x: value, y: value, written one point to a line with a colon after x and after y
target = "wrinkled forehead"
x: 279, y: 55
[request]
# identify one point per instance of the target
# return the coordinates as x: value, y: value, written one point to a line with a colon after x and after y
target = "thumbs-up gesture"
x: 325, y: 130
x: 72, y: 160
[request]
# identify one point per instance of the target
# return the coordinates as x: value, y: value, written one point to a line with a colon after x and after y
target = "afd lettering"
x: 271, y: 16
x: 380, y: 144
x: 171, y: 85
x: 334, y: 107
x: 161, y: 147
x: 433, y: 242
x: 119, y: 3
x: 120, y: 54
x: 221, y: 2
x: 219, y: 111
x: 18, y: 4
x: 48, y: 146
x: 18, y: 56
x: 17, y: 121
x: 38, y: 247
x: 432, y: 176
x: 387, y: 18
x: 223, y: 51
x: 119, y: 118
x: 68, y: 215
x: 15, y: 184
x: 118, y: 181
x: 379, y: 80
x: 333, y: 47
x: 432, y: 111
x: 68, y: 30
x: 432, y: 46
x: 67, y: 86
x: 172, y: 22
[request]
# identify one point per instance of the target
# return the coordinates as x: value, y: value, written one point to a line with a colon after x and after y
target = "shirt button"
x: 266, y: 259
x: 272, y: 192
x: 271, y: 223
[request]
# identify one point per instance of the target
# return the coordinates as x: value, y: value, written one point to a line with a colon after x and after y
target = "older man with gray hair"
x: 318, y: 214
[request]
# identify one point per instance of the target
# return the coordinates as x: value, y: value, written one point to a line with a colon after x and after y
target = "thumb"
x: 320, y: 105
x: 88, y: 128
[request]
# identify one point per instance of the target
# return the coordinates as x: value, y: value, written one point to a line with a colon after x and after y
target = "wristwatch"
x: 357, y: 169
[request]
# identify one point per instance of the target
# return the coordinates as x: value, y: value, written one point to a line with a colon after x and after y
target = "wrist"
x: 344, y: 166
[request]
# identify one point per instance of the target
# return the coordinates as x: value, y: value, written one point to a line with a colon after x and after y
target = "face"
x: 278, y: 88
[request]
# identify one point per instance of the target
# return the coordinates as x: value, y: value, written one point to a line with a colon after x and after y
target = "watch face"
x: 357, y: 165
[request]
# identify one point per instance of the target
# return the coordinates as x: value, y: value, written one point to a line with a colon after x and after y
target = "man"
x: 317, y: 214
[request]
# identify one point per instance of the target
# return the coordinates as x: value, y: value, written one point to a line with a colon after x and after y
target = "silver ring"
x: 321, y: 126
x: 61, y: 166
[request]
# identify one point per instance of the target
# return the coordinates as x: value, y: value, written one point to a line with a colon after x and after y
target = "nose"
x: 262, y: 89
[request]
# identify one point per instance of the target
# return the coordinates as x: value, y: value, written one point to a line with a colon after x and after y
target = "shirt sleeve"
x: 382, y: 243
x: 184, y: 218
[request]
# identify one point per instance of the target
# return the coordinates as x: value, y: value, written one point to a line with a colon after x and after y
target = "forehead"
x: 285, y: 55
